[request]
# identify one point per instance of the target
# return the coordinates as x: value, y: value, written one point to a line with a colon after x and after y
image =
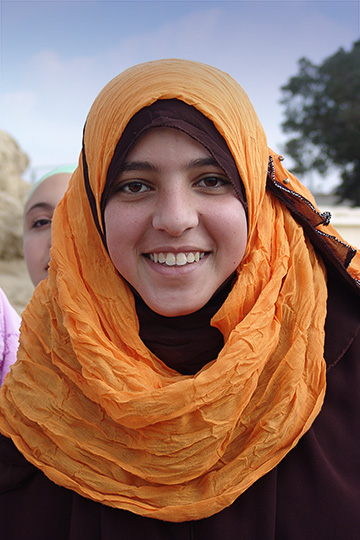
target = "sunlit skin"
x: 172, y: 198
x: 37, y: 224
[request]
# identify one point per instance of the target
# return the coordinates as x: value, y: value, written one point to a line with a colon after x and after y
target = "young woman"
x: 39, y: 209
x: 189, y: 369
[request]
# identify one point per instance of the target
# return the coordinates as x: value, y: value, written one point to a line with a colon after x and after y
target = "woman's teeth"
x: 176, y: 259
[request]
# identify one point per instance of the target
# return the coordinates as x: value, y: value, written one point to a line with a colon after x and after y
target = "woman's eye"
x: 38, y: 223
x: 133, y: 187
x: 213, y: 182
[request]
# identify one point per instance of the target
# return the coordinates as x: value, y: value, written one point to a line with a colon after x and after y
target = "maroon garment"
x: 188, y: 342
x: 313, y: 494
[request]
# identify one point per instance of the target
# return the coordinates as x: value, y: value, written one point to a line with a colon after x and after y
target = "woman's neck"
x: 185, y: 343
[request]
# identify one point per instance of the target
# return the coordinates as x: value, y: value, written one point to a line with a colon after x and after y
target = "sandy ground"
x: 16, y: 283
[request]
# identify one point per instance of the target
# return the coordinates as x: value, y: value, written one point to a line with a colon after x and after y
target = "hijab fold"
x: 92, y: 407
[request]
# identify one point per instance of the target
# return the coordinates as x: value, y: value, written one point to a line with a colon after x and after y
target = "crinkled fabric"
x: 9, y: 335
x: 94, y: 409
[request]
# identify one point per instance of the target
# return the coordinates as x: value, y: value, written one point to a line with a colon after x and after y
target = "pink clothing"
x: 9, y: 335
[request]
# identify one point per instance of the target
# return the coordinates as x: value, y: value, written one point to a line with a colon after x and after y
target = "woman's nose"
x: 175, y: 212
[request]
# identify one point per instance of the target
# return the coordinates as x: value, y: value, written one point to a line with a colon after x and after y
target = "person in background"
x: 9, y: 335
x: 39, y: 208
x: 190, y: 368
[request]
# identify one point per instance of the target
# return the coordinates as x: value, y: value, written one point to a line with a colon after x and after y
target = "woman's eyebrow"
x: 43, y: 205
x: 137, y: 166
x: 202, y: 162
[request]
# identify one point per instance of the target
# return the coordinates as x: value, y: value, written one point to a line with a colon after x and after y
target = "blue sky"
x: 55, y: 56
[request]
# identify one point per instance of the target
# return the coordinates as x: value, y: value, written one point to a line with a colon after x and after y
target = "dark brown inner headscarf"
x: 184, y: 343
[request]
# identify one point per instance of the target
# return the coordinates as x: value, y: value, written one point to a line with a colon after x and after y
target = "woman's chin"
x: 175, y: 308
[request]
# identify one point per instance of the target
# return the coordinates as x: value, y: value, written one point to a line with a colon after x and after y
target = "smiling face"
x: 37, y: 224
x: 175, y: 229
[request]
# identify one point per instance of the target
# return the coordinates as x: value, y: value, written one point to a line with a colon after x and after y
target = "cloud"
x: 258, y: 43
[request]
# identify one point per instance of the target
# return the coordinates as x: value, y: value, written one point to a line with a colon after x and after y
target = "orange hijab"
x: 95, y: 410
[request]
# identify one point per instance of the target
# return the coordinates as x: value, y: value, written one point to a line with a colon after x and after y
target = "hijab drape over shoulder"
x: 94, y: 409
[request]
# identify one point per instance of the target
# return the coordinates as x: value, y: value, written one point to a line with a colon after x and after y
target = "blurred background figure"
x: 9, y: 335
x: 39, y: 208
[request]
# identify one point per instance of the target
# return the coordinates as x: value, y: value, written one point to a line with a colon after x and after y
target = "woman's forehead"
x: 178, y: 115
x: 163, y: 137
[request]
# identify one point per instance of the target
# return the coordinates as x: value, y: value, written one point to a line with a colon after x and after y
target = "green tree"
x: 322, y: 107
